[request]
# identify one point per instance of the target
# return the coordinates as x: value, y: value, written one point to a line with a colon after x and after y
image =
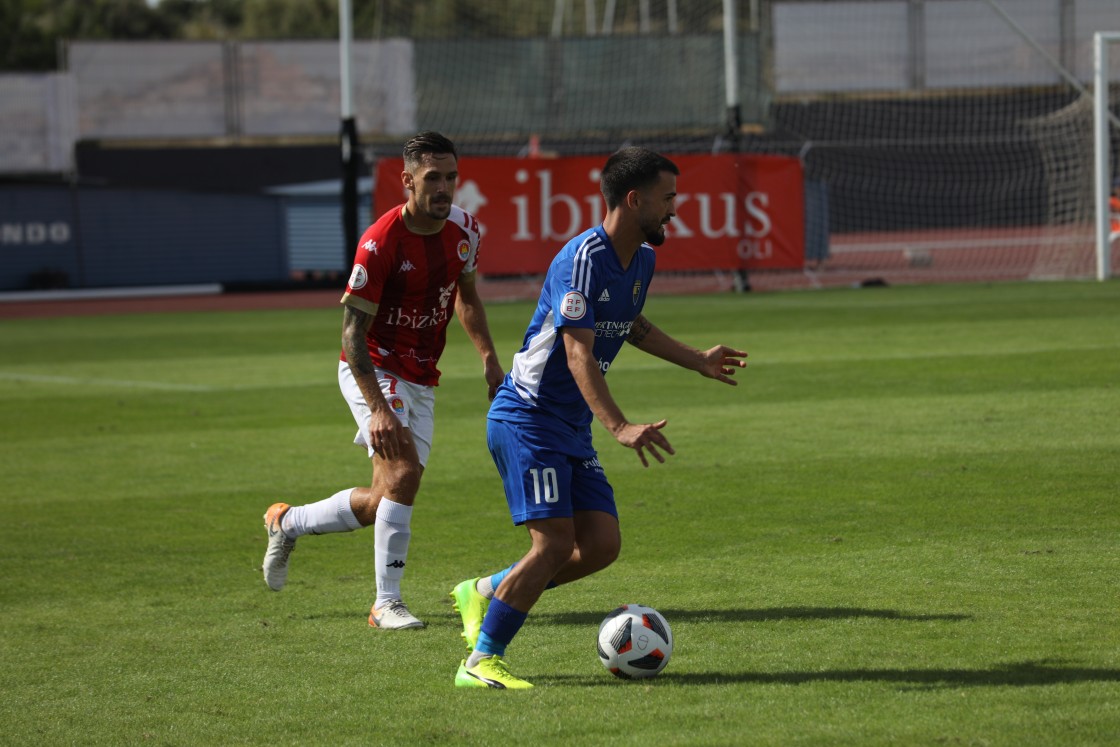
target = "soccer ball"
x: 635, y: 642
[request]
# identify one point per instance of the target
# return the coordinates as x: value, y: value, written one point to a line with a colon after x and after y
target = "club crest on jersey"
x: 358, y: 278
x: 464, y: 249
x: 398, y: 406
x: 574, y: 305
x: 637, y: 291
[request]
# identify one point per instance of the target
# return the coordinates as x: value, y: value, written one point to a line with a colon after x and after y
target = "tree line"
x: 30, y: 30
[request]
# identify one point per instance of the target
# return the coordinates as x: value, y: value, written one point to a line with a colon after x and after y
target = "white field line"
x: 120, y: 383
x: 842, y: 247
x: 652, y: 364
x: 761, y: 359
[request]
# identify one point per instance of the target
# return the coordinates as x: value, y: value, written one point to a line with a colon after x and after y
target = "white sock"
x: 485, y: 587
x: 391, y: 533
x: 324, y: 517
x: 475, y: 657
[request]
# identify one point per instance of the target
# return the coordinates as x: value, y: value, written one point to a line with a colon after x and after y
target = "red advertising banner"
x: 733, y: 211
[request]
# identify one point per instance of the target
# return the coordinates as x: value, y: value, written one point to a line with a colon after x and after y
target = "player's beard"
x: 655, y: 233
x: 438, y: 210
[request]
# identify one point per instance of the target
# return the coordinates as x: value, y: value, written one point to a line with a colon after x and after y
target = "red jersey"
x: 413, y: 280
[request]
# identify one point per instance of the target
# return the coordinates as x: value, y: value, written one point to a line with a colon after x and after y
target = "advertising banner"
x: 733, y: 211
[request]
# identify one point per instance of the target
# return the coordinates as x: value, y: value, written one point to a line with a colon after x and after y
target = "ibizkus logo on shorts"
x: 358, y: 277
x: 464, y: 249
x: 398, y: 405
x: 574, y: 305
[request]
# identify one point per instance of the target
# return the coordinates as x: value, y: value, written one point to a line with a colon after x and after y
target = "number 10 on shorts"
x: 544, y: 481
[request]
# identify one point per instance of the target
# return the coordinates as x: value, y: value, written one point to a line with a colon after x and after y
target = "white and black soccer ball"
x: 635, y: 642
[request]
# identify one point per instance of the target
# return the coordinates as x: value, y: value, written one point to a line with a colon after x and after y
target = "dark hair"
x: 426, y: 142
x: 632, y: 168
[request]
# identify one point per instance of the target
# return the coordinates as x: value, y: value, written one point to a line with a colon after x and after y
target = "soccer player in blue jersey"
x: 539, y: 425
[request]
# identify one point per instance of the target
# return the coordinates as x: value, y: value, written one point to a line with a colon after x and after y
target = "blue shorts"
x: 546, y: 476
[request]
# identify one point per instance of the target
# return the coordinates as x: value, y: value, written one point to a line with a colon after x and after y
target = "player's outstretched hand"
x: 642, y: 437
x: 720, y: 362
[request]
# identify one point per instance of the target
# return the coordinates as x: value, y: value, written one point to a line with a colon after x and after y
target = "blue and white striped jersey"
x: 587, y: 287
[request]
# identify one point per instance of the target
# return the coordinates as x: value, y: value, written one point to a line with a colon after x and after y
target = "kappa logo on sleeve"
x: 358, y: 278
x: 574, y: 306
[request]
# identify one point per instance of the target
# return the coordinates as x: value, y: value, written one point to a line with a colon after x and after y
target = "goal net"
x: 955, y: 139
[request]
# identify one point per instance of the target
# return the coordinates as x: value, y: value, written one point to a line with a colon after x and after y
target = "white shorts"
x: 414, y: 405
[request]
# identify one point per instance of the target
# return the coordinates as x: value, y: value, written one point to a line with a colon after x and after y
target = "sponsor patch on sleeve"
x: 358, y: 277
x: 574, y: 306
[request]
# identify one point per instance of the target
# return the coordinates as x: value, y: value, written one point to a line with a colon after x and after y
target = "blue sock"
x: 499, y: 627
x: 488, y: 646
x: 496, y: 579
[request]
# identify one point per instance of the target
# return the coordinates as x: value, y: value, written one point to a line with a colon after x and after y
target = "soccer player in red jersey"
x: 1114, y: 210
x: 413, y: 268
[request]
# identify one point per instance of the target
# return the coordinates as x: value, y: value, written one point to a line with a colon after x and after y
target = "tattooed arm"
x: 385, y: 430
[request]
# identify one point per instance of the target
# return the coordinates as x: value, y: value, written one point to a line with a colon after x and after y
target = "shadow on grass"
x: 592, y: 619
x: 1022, y: 674
x: 762, y: 615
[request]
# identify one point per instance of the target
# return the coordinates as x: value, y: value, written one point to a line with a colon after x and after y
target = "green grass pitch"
x: 903, y: 527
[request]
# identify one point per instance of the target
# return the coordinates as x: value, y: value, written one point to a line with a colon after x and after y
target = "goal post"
x: 1103, y: 121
